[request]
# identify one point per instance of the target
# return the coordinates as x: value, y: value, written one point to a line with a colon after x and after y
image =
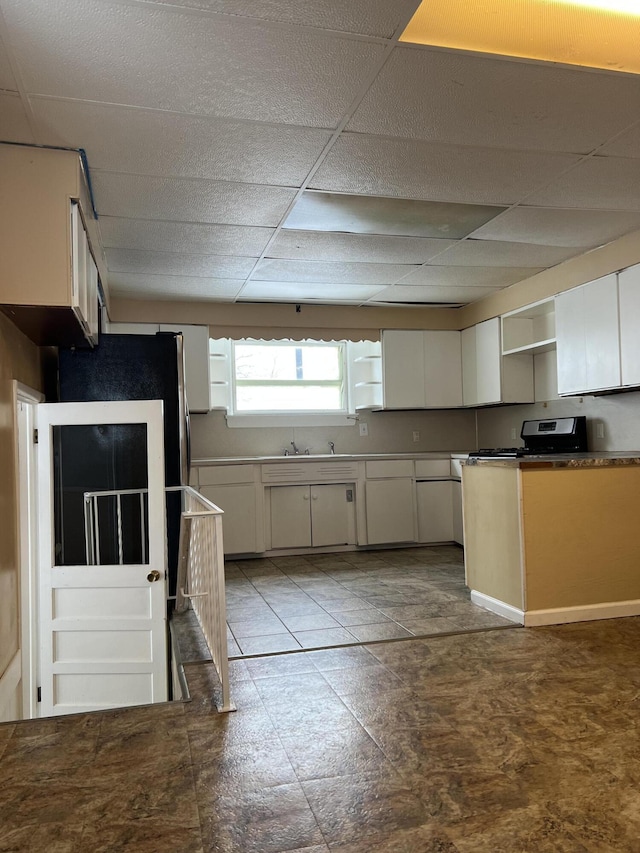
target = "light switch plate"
x: 364, y: 429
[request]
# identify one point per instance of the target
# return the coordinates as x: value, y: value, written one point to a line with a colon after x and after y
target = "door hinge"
x: 39, y: 694
x: 35, y: 436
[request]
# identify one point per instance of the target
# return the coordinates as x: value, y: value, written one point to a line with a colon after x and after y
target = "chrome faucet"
x: 295, y: 449
x: 332, y: 447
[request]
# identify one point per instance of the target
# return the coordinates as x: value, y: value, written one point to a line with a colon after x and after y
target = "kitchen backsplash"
x: 388, y: 432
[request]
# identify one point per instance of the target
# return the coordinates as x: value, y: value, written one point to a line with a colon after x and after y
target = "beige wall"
x: 19, y: 359
x: 389, y: 432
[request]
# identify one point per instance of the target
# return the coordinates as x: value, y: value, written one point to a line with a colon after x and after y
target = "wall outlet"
x: 599, y: 429
x: 364, y: 429
x: 514, y: 434
x: 416, y: 435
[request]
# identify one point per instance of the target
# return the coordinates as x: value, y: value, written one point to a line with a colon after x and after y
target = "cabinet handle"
x: 306, y: 497
x: 314, y: 497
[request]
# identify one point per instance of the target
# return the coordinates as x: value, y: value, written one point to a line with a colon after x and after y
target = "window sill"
x: 292, y: 419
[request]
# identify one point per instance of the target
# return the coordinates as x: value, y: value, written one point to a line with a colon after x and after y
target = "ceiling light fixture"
x: 590, y: 33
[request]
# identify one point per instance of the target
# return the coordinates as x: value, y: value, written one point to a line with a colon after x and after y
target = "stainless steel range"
x: 554, y: 435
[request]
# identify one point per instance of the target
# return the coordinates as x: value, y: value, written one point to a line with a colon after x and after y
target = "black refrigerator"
x: 129, y: 367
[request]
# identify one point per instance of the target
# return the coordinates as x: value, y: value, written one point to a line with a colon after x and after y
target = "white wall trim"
x: 497, y: 606
x: 584, y: 613
x: 9, y: 683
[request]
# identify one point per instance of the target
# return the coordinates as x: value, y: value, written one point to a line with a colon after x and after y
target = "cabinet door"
x: 435, y: 511
x: 332, y: 515
x: 488, y: 361
x: 442, y: 369
x: 570, y: 341
x: 458, y: 529
x: 390, y: 511
x: 602, y: 333
x: 629, y: 294
x: 196, y: 364
x: 403, y: 369
x: 239, y: 522
x: 469, y: 367
x: 290, y: 517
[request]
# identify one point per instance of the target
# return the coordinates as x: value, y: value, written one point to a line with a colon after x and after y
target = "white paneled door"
x: 102, y: 627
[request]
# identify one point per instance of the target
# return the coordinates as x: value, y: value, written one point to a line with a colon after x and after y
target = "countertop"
x: 564, y: 460
x: 325, y: 457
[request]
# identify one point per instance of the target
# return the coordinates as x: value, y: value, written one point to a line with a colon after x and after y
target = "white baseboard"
x: 557, y: 615
x: 584, y: 613
x: 497, y: 606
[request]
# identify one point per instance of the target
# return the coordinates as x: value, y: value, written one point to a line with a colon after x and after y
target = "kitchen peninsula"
x: 553, y: 540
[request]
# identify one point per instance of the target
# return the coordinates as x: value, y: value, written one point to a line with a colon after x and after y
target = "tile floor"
x: 284, y: 604
x: 523, y: 741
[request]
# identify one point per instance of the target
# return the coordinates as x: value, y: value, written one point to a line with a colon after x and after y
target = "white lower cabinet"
x: 390, y: 511
x: 312, y: 516
x: 435, y: 511
x: 458, y: 528
x: 239, y: 522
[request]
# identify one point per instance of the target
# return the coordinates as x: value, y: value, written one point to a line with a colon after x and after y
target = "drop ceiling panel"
x: 469, y: 276
x: 147, y: 142
x: 331, y: 272
x: 300, y: 291
x: 144, y: 197
x: 579, y: 228
x: 448, y: 96
x: 427, y: 294
x: 14, y: 126
x: 176, y: 263
x: 318, y: 246
x: 183, y: 237
x: 172, y: 287
x: 625, y: 145
x: 493, y: 253
x: 319, y: 211
x: 420, y: 170
x: 368, y: 17
x: 7, y: 80
x: 605, y: 183
x: 158, y: 56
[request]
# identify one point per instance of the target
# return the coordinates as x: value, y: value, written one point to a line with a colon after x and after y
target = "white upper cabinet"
x: 487, y: 377
x: 421, y: 369
x: 629, y: 295
x: 588, y: 337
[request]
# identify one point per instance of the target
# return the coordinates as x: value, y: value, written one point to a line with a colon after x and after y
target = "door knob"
x: 154, y: 575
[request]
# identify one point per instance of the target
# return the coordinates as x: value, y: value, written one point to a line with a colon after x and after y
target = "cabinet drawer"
x: 433, y: 468
x: 213, y: 475
x: 389, y: 468
x: 310, y: 472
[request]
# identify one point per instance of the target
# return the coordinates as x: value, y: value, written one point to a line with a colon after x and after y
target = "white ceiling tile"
x: 605, y: 183
x: 625, y: 145
x: 414, y: 169
x: 469, y: 276
x: 493, y: 253
x: 301, y: 291
x: 172, y: 287
x: 144, y: 197
x: 553, y: 227
x: 190, y: 237
x: 146, y: 142
x: 426, y: 294
x: 330, y: 272
x: 365, y: 214
x: 7, y: 80
x: 14, y: 126
x: 320, y: 245
x: 177, y: 263
x: 450, y: 96
x: 159, y: 56
x: 367, y: 17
